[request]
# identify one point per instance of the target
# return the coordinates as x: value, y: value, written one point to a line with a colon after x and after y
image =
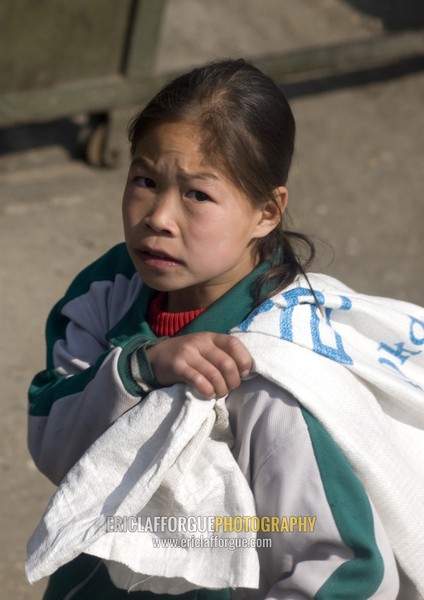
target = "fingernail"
x: 245, y: 373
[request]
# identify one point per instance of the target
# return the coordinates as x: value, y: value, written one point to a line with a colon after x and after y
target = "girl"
x: 205, y: 252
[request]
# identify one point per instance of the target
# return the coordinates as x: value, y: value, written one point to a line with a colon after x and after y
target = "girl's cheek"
x: 129, y: 214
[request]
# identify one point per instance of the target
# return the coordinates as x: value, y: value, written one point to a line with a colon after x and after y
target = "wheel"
x: 102, y: 150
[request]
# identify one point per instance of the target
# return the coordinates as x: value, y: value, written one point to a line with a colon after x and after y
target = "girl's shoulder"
x: 102, y: 293
x: 115, y: 262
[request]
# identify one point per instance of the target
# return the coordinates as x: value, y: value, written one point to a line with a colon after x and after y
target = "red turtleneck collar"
x: 167, y: 324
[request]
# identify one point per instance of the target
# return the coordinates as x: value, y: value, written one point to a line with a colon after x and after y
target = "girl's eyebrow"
x: 203, y: 175
x: 141, y: 162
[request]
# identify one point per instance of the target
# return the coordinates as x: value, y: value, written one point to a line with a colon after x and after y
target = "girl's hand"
x: 213, y: 363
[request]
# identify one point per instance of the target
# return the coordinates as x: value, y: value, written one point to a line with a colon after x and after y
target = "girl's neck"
x: 164, y: 323
x: 201, y: 296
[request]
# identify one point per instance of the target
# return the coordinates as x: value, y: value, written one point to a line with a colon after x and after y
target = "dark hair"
x: 248, y: 130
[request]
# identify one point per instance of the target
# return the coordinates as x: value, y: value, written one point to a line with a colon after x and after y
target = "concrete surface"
x: 356, y: 184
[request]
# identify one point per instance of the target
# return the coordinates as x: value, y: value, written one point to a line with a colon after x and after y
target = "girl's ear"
x: 272, y: 211
x: 281, y: 196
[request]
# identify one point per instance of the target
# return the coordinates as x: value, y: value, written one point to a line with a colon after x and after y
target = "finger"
x: 227, y: 368
x: 220, y: 374
x: 209, y: 385
x: 219, y: 368
x: 238, y: 352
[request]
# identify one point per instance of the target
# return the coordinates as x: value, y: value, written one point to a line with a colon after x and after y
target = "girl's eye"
x: 144, y: 182
x: 199, y: 196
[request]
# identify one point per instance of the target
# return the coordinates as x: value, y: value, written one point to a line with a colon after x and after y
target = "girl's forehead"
x: 180, y: 142
x: 169, y: 134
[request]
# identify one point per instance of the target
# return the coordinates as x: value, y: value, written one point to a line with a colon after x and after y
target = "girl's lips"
x: 157, y: 259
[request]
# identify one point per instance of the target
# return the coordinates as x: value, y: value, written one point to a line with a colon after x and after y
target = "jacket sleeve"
x: 87, y: 384
x: 326, y: 540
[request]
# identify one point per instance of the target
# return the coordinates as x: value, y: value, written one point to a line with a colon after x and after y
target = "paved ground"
x: 356, y: 184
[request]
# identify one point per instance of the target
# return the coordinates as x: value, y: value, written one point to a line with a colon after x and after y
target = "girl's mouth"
x: 157, y: 259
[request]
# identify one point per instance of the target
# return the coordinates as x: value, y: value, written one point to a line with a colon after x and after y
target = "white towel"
x: 356, y: 363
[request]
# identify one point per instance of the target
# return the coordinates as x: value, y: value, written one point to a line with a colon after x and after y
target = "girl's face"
x: 189, y: 230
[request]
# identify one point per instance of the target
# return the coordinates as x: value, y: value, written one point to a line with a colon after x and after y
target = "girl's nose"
x: 161, y: 215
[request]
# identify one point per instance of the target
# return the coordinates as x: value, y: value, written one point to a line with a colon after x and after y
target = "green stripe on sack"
x: 360, y: 577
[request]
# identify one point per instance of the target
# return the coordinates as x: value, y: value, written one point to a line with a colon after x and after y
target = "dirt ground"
x: 356, y: 185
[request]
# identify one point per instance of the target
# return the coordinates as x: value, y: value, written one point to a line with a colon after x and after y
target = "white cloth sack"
x: 169, y: 455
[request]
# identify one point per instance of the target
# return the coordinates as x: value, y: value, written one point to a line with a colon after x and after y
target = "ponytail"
x: 285, y: 253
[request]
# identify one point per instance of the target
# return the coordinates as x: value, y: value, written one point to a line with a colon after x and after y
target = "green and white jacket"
x: 335, y: 547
